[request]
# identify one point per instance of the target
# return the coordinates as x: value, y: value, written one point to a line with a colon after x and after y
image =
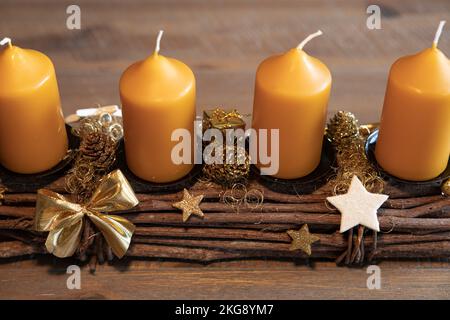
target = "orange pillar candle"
x: 32, y: 132
x: 414, y: 136
x: 158, y: 96
x: 291, y: 94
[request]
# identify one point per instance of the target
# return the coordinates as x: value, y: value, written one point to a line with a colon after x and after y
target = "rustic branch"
x: 414, y: 226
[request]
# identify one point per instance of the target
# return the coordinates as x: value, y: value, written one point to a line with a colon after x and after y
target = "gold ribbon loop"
x: 64, y: 219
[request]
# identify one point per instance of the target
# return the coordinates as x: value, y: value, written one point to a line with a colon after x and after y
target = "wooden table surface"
x: 223, y: 42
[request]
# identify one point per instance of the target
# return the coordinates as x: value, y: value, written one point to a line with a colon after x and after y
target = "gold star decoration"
x: 302, y: 239
x: 189, y: 205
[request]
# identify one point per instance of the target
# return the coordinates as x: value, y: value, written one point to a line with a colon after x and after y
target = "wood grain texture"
x: 223, y: 42
x: 46, y: 279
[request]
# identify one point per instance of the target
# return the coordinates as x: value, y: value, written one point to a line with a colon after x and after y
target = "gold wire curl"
x: 238, y: 195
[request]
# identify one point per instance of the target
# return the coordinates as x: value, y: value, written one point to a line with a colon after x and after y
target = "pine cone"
x: 98, y: 149
x: 95, y: 157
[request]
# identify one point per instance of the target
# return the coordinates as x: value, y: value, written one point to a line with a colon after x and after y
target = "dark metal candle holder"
x: 142, y: 186
x: 306, y: 184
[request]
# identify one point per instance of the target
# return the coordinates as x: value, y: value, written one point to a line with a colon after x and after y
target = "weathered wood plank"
x: 223, y: 42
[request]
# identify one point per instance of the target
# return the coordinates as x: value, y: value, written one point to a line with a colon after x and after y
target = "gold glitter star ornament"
x: 358, y: 206
x: 302, y: 239
x: 189, y: 205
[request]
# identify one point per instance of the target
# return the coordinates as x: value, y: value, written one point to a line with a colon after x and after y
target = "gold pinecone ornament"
x: 343, y: 128
x: 98, y: 149
x: 344, y: 132
x: 95, y: 156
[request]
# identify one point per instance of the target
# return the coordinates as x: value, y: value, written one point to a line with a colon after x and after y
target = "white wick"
x: 438, y: 33
x: 5, y: 41
x: 309, y: 38
x: 158, y: 41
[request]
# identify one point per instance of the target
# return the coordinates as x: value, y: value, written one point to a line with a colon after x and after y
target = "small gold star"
x: 302, y: 239
x: 189, y: 205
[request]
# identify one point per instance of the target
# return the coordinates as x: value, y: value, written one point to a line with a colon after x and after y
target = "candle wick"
x: 309, y: 38
x: 158, y: 41
x: 6, y: 40
x: 438, y: 33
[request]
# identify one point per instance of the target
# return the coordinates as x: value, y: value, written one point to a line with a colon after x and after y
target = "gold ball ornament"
x: 228, y: 173
x: 446, y: 187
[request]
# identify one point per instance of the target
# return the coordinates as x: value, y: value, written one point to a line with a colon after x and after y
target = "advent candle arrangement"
x: 252, y: 218
x: 291, y: 94
x: 158, y: 97
x: 33, y: 136
x: 414, y: 136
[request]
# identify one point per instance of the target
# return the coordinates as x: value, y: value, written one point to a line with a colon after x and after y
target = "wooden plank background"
x: 223, y: 42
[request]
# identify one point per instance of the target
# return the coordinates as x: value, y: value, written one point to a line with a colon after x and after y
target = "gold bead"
x: 446, y: 187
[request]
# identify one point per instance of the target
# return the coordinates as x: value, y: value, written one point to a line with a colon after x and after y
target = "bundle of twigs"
x: 414, y: 222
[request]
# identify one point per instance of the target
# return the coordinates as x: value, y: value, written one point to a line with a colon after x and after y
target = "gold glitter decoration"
x: 302, y: 239
x: 234, y: 169
x: 236, y: 160
x: 348, y: 138
x: 189, y: 205
x: 95, y: 156
x: 221, y: 119
x: 343, y: 128
x: 446, y: 187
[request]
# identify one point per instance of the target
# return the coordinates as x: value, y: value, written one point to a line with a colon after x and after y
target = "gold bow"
x: 64, y: 219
